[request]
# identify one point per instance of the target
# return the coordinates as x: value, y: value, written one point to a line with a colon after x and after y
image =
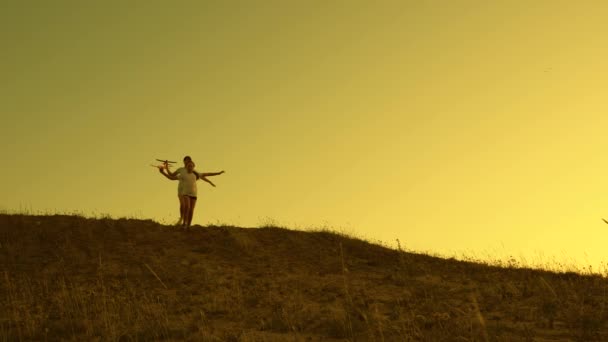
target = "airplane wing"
x: 167, y: 161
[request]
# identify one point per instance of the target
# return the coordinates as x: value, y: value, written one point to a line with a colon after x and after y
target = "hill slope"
x: 73, y: 278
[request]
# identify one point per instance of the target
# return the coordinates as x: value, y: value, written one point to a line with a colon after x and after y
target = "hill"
x: 76, y: 278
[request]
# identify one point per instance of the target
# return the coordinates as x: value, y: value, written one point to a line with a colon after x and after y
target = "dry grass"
x: 66, y: 277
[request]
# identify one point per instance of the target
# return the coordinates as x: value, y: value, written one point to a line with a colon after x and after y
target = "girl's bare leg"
x: 182, y: 209
x: 191, y: 209
x: 186, y: 211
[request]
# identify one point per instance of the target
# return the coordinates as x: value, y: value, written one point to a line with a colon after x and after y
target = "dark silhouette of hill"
x: 75, y: 278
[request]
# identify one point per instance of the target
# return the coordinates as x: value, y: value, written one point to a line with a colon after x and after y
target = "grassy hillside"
x: 73, y: 278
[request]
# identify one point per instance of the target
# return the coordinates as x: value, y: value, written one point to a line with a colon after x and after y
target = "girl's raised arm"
x: 208, y: 174
x: 168, y: 175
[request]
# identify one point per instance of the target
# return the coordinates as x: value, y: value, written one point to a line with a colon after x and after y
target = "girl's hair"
x: 198, y: 176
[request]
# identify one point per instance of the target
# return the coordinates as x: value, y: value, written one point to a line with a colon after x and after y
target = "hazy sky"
x: 454, y: 126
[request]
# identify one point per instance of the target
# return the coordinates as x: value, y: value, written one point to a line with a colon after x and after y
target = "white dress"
x: 187, y: 182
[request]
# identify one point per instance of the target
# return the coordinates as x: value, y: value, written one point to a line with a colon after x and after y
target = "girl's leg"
x: 191, y: 211
x: 182, y: 209
x: 186, y: 211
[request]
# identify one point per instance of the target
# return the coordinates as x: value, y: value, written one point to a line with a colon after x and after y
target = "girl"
x: 186, y: 188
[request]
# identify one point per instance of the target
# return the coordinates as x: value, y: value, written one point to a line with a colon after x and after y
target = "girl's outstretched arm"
x: 212, y: 173
x: 208, y: 181
x: 169, y: 172
x: 169, y: 176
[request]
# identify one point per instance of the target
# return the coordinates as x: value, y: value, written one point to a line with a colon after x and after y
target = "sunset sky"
x: 475, y: 127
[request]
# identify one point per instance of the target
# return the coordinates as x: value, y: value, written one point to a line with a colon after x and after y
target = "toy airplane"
x: 165, y: 164
x: 166, y: 161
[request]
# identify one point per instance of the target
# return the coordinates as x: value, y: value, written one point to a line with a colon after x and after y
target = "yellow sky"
x: 454, y: 126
